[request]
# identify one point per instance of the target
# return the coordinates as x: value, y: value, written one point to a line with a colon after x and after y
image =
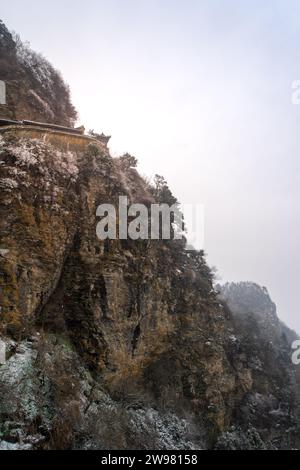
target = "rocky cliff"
x: 121, y: 344
x: 35, y: 89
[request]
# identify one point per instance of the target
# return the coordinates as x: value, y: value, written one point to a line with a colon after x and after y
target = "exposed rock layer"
x: 119, y: 344
x: 139, y: 318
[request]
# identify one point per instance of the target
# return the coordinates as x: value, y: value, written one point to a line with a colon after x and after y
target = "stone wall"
x: 63, y: 140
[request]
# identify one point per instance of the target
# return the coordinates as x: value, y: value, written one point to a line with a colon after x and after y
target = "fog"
x: 200, y: 92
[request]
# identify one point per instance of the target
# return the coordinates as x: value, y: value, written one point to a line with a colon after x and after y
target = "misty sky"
x: 200, y: 92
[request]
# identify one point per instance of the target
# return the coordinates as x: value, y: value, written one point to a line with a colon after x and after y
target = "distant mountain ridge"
x: 249, y: 300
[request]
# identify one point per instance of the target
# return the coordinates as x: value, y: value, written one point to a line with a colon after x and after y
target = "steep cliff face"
x: 122, y: 343
x: 34, y: 89
x: 97, y: 330
x: 141, y: 315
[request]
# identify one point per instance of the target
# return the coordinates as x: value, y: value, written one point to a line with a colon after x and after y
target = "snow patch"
x: 33, y: 152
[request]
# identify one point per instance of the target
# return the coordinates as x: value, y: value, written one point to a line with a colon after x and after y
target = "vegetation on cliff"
x: 121, y: 344
x: 35, y: 89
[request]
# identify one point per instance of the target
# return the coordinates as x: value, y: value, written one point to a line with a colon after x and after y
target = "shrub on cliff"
x: 48, y: 82
x: 128, y: 161
x: 162, y: 192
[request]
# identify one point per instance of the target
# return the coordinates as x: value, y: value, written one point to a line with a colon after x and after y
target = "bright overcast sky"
x: 200, y: 92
